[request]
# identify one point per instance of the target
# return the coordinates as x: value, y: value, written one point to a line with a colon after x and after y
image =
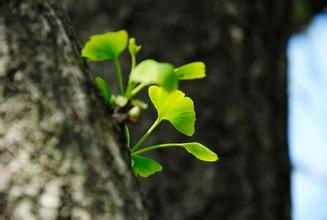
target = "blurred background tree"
x: 241, y: 105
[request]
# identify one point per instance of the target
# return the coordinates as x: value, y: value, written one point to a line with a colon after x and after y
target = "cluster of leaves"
x: 162, y: 79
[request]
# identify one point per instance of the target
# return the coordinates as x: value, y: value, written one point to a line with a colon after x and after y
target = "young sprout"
x: 171, y: 104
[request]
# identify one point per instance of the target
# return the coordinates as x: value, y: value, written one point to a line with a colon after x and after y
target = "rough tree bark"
x: 61, y: 155
x: 241, y: 105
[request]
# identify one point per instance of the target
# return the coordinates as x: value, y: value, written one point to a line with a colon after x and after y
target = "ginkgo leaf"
x: 107, y: 46
x: 144, y: 166
x: 174, y: 107
x: 102, y: 86
x: 196, y: 149
x: 152, y: 72
x: 200, y: 151
x: 195, y: 70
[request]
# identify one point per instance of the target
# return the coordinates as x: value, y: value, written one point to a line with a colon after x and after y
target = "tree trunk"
x: 241, y: 105
x: 61, y: 154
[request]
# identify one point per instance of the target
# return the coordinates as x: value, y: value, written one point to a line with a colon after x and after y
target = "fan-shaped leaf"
x: 195, y: 70
x: 144, y: 166
x: 174, y: 107
x: 152, y: 72
x: 106, y: 46
x: 200, y: 151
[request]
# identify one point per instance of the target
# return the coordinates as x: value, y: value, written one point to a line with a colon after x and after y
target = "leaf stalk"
x: 138, y: 145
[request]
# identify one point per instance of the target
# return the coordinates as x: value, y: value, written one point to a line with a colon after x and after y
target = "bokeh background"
x: 241, y: 105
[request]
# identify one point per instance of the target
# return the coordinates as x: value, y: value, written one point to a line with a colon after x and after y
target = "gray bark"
x: 61, y: 154
x: 241, y: 105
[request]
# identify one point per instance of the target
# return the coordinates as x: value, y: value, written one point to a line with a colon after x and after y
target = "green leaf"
x: 102, y: 86
x: 196, y: 149
x: 144, y: 166
x: 174, y: 107
x: 132, y: 47
x: 106, y: 46
x: 200, y: 151
x: 195, y: 70
x: 152, y: 72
